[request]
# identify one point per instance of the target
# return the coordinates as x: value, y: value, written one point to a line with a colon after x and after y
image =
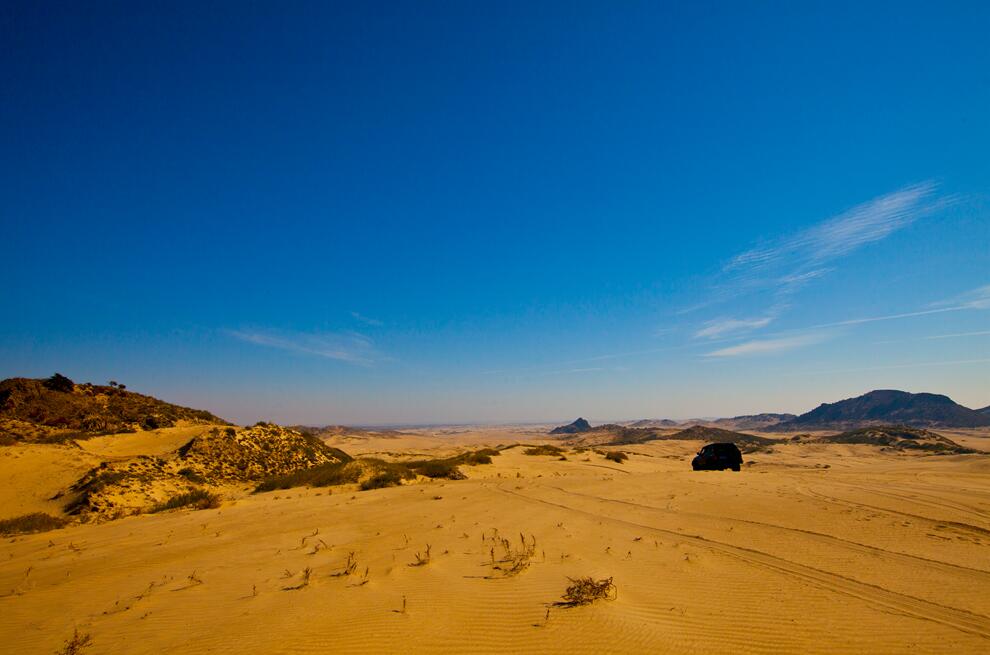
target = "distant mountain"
x: 898, y: 437
x: 628, y: 436
x: 985, y: 410
x: 653, y: 423
x: 56, y: 408
x: 887, y: 407
x: 753, y: 421
x: 578, y: 426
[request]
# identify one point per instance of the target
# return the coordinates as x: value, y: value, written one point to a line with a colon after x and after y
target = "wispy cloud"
x: 770, y: 346
x: 807, y: 251
x: 957, y: 362
x: 723, y: 326
x: 367, y: 320
x: 342, y: 346
x: 786, y: 265
x: 978, y: 298
x: 956, y: 335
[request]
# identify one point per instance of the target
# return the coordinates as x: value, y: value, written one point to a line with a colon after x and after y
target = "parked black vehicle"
x: 717, y: 457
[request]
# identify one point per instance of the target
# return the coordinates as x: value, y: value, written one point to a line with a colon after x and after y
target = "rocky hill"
x: 577, y: 427
x: 56, y: 409
x: 898, y: 437
x: 887, y: 407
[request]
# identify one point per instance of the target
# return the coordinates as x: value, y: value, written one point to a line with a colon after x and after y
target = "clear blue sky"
x: 445, y: 212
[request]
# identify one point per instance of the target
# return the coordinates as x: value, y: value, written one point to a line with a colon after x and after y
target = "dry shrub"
x: 28, y: 523
x: 76, y: 643
x: 197, y: 499
x: 513, y: 560
x: 584, y: 591
x: 616, y: 456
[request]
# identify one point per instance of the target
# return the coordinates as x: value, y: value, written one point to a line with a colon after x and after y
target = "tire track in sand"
x: 878, y: 597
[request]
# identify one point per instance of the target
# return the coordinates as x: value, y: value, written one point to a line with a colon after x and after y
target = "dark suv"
x: 717, y: 457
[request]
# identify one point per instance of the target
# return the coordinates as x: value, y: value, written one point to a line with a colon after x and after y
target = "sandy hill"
x: 887, y: 407
x: 898, y: 437
x: 216, y: 458
x: 57, y: 409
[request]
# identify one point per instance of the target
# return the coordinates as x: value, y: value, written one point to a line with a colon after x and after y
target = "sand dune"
x: 879, y: 552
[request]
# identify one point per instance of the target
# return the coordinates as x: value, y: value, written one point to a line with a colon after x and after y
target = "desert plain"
x: 811, y: 548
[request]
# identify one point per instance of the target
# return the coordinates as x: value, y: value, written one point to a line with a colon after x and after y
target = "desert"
x: 814, y: 546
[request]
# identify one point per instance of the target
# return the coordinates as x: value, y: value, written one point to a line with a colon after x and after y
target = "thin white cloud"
x: 836, y: 237
x: 342, y: 346
x: 956, y: 335
x: 959, y: 334
x: 770, y: 346
x: 784, y: 266
x: 367, y: 320
x: 978, y: 298
x: 957, y: 362
x: 722, y: 326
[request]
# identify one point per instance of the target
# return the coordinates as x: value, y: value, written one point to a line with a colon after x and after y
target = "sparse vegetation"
x: 544, y: 449
x: 324, y: 475
x: 192, y: 475
x: 584, y: 591
x: 196, y: 499
x: 76, y: 643
x: 511, y: 560
x: 387, y: 478
x: 29, y: 523
x: 616, y: 456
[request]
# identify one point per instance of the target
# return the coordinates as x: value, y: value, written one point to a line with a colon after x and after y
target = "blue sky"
x: 448, y: 212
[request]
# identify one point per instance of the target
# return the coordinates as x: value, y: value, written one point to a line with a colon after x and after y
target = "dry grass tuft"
x: 349, y: 567
x: 76, y: 643
x: 422, y: 560
x: 510, y: 560
x: 584, y: 591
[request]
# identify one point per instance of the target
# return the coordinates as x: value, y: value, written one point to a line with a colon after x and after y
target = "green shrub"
x: 28, y: 523
x: 437, y: 468
x: 544, y: 450
x: 197, y: 499
x: 323, y: 475
x: 382, y: 479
